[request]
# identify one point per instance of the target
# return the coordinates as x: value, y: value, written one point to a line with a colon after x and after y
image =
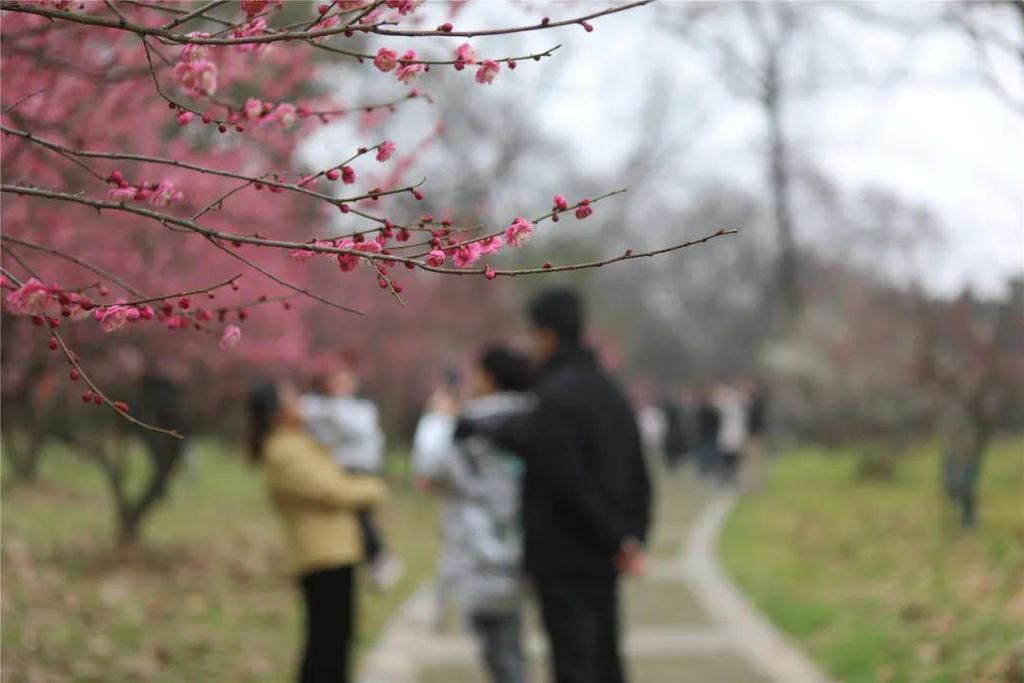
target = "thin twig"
x: 182, y: 39
x: 188, y: 16
x: 290, y: 187
x: 295, y: 288
x: 176, y: 295
x: 102, y: 272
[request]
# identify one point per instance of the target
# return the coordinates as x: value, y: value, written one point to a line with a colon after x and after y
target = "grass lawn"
x: 876, y: 580
x: 209, y: 597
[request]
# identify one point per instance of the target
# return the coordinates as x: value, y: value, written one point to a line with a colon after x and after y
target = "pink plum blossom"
x: 324, y: 24
x: 347, y: 262
x: 127, y: 192
x: 193, y: 52
x: 165, y: 194
x: 560, y: 203
x: 112, y: 317
x: 487, y: 71
x: 408, y: 70
x: 33, y: 298
x: 519, y: 232
x: 254, y: 7
x: 250, y: 30
x: 385, y: 151
x: 386, y: 59
x: 466, y: 255
x: 465, y: 53
x: 371, y: 246
x: 583, y: 210
x: 230, y: 337
x: 284, y: 114
x: 436, y: 258
x: 253, y: 108
x: 404, y: 6
x: 197, y: 77
x: 490, y: 245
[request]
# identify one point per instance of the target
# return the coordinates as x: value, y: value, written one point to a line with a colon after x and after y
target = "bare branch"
x: 102, y: 272
x: 279, y: 36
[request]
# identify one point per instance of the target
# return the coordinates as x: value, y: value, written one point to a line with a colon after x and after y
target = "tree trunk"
x: 784, y: 295
x: 23, y: 459
x: 164, y: 455
x: 129, y: 527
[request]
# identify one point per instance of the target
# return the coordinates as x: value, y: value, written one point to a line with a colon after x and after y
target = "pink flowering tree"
x: 158, y: 226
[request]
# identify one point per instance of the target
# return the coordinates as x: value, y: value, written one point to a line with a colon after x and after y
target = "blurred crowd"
x: 720, y: 428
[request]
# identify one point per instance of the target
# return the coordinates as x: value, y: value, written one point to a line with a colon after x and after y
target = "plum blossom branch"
x: 183, y: 39
x: 265, y: 179
x: 216, y: 236
x: 540, y: 26
x: 359, y: 56
x: 387, y: 282
x: 95, y: 394
x: 186, y: 112
x: 117, y: 406
x: 176, y: 295
x: 538, y: 219
x: 281, y: 281
x: 627, y: 255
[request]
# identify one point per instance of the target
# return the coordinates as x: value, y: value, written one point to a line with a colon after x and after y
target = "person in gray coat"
x: 480, y: 482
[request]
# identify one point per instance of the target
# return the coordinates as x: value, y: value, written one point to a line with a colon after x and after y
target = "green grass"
x: 875, y: 579
x: 209, y: 597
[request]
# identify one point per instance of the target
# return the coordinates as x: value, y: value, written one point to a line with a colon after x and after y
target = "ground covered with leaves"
x: 876, y: 580
x: 208, y: 596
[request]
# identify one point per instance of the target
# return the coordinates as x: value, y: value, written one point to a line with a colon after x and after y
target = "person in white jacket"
x: 480, y: 483
x: 348, y: 426
x: 732, y: 432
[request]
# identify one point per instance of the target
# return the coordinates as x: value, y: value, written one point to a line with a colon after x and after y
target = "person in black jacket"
x: 586, y: 495
x: 709, y: 421
x: 674, y: 444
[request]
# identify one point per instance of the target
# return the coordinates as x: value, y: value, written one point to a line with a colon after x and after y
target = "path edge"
x: 763, y: 645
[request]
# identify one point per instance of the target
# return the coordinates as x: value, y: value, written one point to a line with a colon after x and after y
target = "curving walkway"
x: 686, y: 622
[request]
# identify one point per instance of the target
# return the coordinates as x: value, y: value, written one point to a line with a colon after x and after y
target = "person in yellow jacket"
x: 318, y: 504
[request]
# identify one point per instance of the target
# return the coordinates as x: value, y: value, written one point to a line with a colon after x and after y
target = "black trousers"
x: 581, y: 617
x: 501, y: 646
x: 330, y: 615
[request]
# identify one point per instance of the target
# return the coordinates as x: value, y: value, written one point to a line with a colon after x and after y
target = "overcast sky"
x: 955, y: 147
x: 935, y: 138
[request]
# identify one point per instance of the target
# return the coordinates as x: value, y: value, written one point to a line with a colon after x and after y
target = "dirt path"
x: 685, y: 620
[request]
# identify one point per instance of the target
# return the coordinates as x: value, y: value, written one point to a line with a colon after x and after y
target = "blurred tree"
x: 150, y: 157
x: 759, y: 66
x: 972, y: 363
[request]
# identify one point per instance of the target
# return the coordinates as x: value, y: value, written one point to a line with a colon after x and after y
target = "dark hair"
x: 263, y: 402
x: 561, y: 311
x: 510, y: 369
